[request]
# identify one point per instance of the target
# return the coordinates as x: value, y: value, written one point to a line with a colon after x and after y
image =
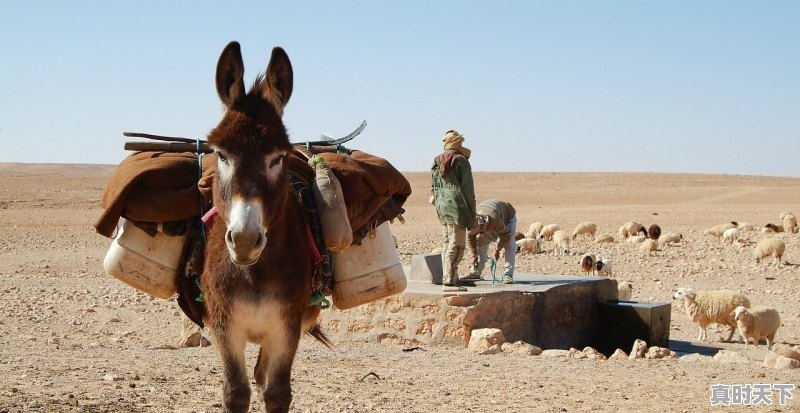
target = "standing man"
x: 453, y: 194
x: 496, y: 221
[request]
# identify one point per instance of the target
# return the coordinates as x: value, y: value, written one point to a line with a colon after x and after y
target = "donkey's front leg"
x: 273, y: 371
x: 235, y: 386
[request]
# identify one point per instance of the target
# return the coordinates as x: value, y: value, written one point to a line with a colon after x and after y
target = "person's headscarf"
x: 453, y: 140
x: 481, y: 221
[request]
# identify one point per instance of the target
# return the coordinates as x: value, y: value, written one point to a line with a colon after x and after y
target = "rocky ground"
x: 74, y: 339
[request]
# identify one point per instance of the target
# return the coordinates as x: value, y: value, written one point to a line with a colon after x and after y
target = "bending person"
x: 496, y: 221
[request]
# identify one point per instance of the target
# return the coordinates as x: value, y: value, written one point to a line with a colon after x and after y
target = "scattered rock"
x: 521, y: 347
x: 619, y: 354
x: 575, y: 354
x: 731, y: 357
x: 792, y: 352
x: 639, y: 349
x: 593, y: 354
x: 112, y: 377
x: 778, y: 361
x: 656, y: 352
x: 555, y: 353
x: 195, y: 339
x: 486, y: 340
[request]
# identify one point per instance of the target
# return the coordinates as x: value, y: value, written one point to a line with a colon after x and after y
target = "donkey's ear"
x: 230, y: 74
x: 278, y: 87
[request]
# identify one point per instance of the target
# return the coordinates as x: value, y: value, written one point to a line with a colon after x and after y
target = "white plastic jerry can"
x: 367, y: 272
x: 147, y: 263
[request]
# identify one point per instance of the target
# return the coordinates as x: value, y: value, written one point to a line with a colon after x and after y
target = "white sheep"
x: 534, y: 230
x: 731, y: 235
x: 637, y: 239
x: 604, y: 267
x: 631, y: 228
x: 756, y: 323
x: 548, y: 231
x: 649, y: 245
x: 604, y: 238
x: 718, y: 230
x: 707, y: 307
x: 784, y: 214
x: 587, y: 263
x: 670, y: 238
x: 528, y: 246
x: 789, y: 223
x: 584, y: 228
x: 745, y: 226
x: 769, y: 247
x: 625, y: 289
x: 561, y: 242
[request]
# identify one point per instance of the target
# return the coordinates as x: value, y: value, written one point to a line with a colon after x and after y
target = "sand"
x: 74, y: 339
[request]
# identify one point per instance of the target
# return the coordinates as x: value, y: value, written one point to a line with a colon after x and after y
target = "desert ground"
x: 73, y: 339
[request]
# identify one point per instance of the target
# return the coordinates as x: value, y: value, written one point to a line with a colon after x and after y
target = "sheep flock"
x: 646, y: 246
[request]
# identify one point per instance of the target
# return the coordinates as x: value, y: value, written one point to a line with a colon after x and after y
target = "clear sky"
x: 635, y: 86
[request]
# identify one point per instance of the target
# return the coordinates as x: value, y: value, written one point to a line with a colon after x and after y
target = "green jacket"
x: 453, y: 190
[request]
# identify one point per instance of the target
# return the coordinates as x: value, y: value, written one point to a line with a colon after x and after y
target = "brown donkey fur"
x: 258, y: 270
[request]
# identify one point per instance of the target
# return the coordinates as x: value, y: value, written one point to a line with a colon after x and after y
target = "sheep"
x: 637, y: 239
x: 707, y: 307
x: 767, y: 247
x: 584, y: 228
x: 625, y: 289
x: 630, y: 228
x: 717, y: 230
x: 648, y: 245
x: 518, y: 235
x: 784, y: 214
x: 756, y: 323
x: 745, y: 226
x: 528, y: 246
x: 789, y: 223
x: 587, y: 263
x: 670, y: 238
x: 561, y: 242
x: 731, y: 235
x: 654, y: 232
x: 534, y: 229
x: 770, y: 228
x: 604, y: 238
x: 548, y: 231
x: 604, y: 267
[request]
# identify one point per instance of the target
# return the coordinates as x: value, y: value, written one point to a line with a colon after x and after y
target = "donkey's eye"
x: 222, y: 157
x: 276, y: 161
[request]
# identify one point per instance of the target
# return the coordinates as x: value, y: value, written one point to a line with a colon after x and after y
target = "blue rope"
x: 493, y: 267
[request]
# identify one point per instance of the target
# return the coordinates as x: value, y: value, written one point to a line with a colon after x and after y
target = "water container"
x: 336, y: 230
x: 367, y: 272
x: 147, y: 263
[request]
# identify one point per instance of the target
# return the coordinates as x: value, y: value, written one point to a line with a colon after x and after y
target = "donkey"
x: 257, y: 278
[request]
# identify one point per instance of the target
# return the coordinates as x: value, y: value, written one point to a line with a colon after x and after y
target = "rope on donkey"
x: 200, y: 177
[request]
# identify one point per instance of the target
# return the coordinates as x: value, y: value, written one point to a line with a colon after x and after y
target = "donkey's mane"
x: 258, y: 83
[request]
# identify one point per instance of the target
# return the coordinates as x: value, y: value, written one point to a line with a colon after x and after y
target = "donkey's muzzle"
x: 245, y: 237
x: 245, y: 246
